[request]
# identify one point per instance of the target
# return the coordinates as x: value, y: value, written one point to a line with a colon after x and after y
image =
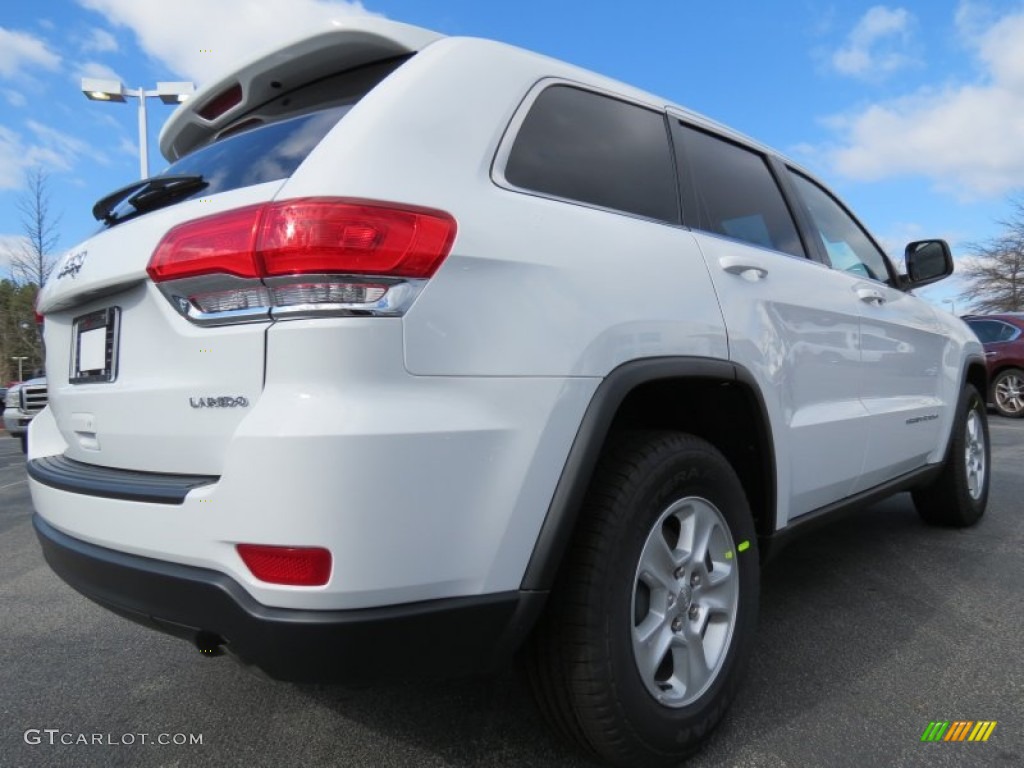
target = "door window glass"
x: 729, y: 190
x: 848, y: 247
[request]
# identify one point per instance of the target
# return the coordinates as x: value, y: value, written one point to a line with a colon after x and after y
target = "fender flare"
x: 563, y: 511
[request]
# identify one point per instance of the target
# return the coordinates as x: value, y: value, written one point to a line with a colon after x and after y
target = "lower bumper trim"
x: 437, y: 638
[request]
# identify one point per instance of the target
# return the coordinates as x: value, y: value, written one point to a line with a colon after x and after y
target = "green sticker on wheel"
x: 744, y: 546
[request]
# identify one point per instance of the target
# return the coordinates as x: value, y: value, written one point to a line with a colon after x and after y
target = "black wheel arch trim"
x: 563, y: 511
x: 979, y: 362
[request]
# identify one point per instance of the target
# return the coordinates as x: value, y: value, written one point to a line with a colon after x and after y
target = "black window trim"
x: 787, y: 168
x: 501, y: 156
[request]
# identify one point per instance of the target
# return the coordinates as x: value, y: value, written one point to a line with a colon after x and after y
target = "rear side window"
x: 729, y: 190
x: 583, y: 146
x: 989, y: 331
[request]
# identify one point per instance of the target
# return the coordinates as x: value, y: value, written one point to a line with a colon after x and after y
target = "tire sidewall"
x: 971, y: 402
x: 995, y: 401
x: 685, y: 473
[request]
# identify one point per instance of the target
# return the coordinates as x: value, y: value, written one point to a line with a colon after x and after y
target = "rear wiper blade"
x: 147, y: 194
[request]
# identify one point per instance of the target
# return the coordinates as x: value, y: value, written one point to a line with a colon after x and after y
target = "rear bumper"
x: 437, y: 638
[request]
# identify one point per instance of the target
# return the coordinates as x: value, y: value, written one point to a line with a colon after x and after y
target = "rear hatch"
x: 139, y: 378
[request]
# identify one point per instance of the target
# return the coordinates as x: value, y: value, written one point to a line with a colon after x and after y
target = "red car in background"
x: 1003, y: 338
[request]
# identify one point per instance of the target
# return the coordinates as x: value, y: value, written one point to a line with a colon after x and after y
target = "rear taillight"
x: 292, y: 566
x: 223, y: 244
x: 301, y: 256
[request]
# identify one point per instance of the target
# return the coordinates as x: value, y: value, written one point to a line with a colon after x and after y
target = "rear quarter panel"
x: 533, y: 287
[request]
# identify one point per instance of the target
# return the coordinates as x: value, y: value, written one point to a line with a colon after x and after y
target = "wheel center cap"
x: 684, y: 598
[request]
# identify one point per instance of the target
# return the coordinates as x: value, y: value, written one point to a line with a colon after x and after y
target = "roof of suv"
x: 344, y: 44
x: 348, y: 43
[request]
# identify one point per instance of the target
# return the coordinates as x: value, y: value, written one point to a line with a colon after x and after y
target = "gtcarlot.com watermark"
x: 55, y: 736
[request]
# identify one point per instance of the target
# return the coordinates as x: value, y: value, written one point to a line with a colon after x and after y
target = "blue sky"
x: 912, y: 111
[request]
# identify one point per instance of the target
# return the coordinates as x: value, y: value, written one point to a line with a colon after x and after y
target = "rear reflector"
x: 307, y: 236
x: 292, y: 566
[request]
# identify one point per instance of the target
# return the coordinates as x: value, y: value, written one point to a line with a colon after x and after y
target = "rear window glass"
x: 271, y: 140
x: 266, y: 153
x: 594, y: 149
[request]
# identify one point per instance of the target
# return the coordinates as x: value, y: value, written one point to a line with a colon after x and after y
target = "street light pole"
x: 141, y: 94
x: 21, y: 361
x: 97, y: 89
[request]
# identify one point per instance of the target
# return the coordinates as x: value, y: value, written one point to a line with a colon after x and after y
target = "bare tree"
x: 994, y: 273
x: 30, y: 264
x: 34, y: 262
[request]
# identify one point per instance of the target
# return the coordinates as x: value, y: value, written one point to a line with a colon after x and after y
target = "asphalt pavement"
x: 870, y: 628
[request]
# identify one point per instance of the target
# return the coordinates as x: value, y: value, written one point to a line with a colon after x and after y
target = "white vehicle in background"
x: 22, y: 403
x: 424, y: 350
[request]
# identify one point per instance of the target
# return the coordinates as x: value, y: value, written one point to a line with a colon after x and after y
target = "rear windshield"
x: 264, y: 153
x: 270, y: 141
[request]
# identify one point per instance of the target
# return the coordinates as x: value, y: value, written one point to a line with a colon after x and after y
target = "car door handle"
x: 742, y: 267
x: 871, y: 296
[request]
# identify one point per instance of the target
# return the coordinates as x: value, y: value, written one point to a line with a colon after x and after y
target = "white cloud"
x: 15, y: 98
x: 10, y: 245
x: 12, y: 160
x: 966, y: 137
x: 63, y: 145
x: 876, y: 45
x: 46, y: 146
x: 99, y: 41
x: 19, y: 50
x: 95, y: 69
x: 179, y: 33
x: 128, y: 147
x: 895, y: 240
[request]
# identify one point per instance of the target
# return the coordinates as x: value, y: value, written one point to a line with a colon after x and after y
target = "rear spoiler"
x: 351, y: 42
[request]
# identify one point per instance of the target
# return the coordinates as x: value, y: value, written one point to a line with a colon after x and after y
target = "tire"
x: 958, y: 496
x: 654, y: 495
x: 1007, y: 393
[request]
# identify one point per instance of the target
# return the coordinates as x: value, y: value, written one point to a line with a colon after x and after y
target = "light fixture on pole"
x: 98, y: 89
x: 21, y: 361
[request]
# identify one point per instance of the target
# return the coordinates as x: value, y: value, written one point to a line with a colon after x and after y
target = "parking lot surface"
x: 870, y: 628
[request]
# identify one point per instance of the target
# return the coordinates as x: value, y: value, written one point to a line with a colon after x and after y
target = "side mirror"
x: 928, y: 261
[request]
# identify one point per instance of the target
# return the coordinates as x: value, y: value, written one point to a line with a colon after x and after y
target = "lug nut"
x: 695, y: 580
x: 677, y: 624
x: 680, y: 572
x: 671, y: 599
x: 694, y: 612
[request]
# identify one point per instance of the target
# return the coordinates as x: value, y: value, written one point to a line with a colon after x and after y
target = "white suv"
x: 437, y: 338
